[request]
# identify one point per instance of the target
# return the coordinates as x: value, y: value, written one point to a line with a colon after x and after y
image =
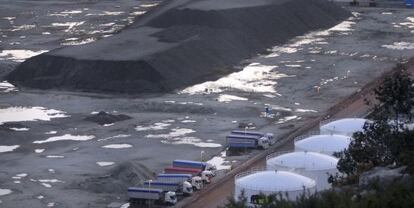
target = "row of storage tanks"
x: 306, y: 169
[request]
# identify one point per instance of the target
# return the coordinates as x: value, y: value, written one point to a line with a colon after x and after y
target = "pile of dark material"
x: 10, y: 126
x: 117, y: 180
x: 178, y: 44
x: 103, y: 118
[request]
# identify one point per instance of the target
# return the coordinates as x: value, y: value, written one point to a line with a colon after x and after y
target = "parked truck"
x: 181, y: 188
x: 195, y: 181
x: 255, y: 133
x: 205, y: 175
x: 142, y: 195
x: 237, y: 141
x: 193, y: 164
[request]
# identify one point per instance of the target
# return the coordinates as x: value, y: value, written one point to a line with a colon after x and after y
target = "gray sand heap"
x: 178, y: 44
x: 117, y: 180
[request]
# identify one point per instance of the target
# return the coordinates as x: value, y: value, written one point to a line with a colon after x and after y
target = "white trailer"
x: 195, y: 181
x: 269, y: 136
x: 184, y: 188
x: 142, y: 196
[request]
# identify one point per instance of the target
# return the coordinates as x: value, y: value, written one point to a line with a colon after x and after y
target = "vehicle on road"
x: 237, y: 141
x: 195, y: 181
x: 180, y: 188
x: 205, y: 175
x: 142, y: 196
x: 193, y: 164
x: 255, y: 133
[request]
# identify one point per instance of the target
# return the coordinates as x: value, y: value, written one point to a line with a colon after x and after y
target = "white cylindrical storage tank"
x: 272, y: 182
x: 346, y: 126
x: 326, y: 144
x: 316, y: 166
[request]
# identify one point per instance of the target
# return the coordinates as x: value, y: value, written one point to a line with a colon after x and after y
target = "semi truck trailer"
x: 205, y: 175
x: 182, y: 188
x: 237, y: 141
x: 142, y: 196
x: 195, y: 181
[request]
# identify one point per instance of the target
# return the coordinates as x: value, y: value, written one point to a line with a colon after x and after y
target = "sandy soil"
x: 300, y: 80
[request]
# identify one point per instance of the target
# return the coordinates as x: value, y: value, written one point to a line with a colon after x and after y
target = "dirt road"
x: 353, y: 106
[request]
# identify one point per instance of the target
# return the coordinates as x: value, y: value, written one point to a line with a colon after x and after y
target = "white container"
x: 346, y: 126
x: 326, y: 144
x: 269, y: 182
x: 316, y: 166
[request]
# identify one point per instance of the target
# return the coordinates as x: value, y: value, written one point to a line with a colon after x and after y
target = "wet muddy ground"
x: 50, y: 156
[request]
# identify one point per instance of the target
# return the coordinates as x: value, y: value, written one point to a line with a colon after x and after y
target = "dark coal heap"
x: 179, y: 43
x: 103, y: 118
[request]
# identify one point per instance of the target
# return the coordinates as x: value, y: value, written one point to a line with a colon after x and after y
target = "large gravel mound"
x: 117, y: 180
x: 180, y: 43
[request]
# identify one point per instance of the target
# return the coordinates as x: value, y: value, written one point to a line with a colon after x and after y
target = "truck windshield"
x: 173, y: 197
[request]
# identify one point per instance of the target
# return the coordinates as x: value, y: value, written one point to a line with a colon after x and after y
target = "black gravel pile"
x: 173, y: 48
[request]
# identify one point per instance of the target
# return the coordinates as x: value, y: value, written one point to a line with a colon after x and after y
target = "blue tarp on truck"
x: 241, y: 141
x: 189, y: 164
x: 409, y: 3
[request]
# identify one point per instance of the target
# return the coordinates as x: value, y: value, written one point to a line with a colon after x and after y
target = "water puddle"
x: 19, y: 129
x: 219, y: 162
x: 4, y: 192
x: 300, y: 110
x: 188, y: 121
x: 50, y: 181
x: 20, y: 176
x: 18, y: 114
x: 126, y: 205
x: 148, y: 5
x: 18, y: 55
x: 115, y: 137
x: 70, y: 25
x: 400, y: 46
x: 253, y: 78
x: 6, y: 87
x: 104, y: 164
x: 47, y: 182
x: 287, y: 119
x: 39, y: 150
x: 409, y: 24
x: 153, y: 127
x: 137, y: 13
x: 176, y: 132
x: 66, y: 137
x: 105, y: 13
x: 79, y: 42
x: 192, y: 141
x: 117, y: 146
x: 228, y: 98
x: 11, y: 148
x: 65, y: 13
x: 55, y: 156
